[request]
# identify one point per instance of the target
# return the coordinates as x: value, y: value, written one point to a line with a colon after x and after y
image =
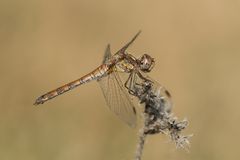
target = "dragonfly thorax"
x: 125, y: 66
x: 146, y: 63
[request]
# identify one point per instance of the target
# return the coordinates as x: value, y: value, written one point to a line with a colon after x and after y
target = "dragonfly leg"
x: 128, y: 81
x: 131, y: 83
x: 144, y: 78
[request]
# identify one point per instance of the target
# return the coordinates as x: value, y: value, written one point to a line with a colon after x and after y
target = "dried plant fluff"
x: 157, y: 116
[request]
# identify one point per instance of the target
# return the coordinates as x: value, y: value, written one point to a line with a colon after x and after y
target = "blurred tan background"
x: 44, y: 44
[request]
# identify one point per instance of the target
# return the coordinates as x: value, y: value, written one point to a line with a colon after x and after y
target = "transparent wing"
x: 118, y: 99
x: 107, y: 54
x: 123, y: 49
x: 116, y: 95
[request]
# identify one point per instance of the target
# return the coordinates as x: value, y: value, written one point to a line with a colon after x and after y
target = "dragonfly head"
x: 146, y: 63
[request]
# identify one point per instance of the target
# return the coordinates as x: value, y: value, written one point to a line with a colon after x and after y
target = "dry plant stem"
x: 140, y: 145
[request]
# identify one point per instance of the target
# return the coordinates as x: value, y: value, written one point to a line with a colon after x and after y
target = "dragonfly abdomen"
x: 96, y: 74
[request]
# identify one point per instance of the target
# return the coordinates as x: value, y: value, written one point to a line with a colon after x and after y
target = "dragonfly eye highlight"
x: 146, y: 63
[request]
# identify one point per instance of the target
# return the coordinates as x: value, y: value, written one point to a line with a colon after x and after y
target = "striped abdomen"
x: 96, y: 74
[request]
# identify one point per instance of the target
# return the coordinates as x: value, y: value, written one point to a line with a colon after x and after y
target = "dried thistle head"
x: 158, y: 117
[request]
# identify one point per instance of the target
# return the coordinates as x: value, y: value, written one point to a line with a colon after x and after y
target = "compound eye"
x: 146, y: 63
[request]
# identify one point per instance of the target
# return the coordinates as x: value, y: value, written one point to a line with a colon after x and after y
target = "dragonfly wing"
x: 123, y: 49
x: 118, y: 99
x: 107, y: 54
x: 116, y: 95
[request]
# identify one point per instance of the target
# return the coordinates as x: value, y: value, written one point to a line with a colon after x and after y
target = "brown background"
x: 44, y: 44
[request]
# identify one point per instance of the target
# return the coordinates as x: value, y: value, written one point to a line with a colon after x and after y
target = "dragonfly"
x: 117, y: 92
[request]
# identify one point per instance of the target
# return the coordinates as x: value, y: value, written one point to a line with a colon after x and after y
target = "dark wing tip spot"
x: 134, y: 110
x: 167, y: 93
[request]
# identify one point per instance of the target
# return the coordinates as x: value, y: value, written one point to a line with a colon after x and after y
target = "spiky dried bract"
x: 157, y: 116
